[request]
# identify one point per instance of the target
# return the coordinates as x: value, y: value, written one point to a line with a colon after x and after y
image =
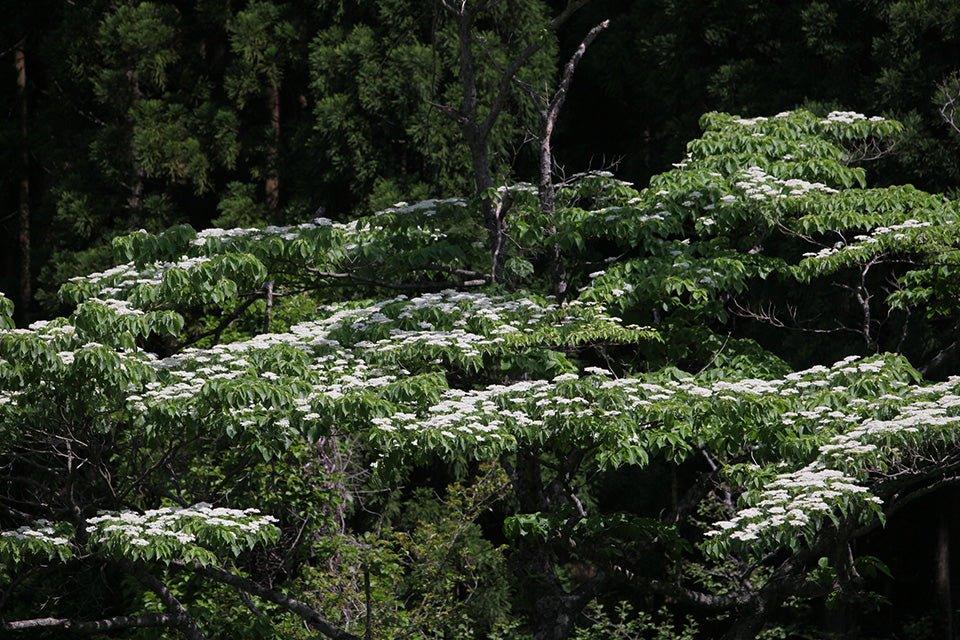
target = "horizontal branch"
x: 351, y: 278
x: 92, y: 626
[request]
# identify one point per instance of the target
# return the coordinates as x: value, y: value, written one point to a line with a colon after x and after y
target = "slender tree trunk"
x: 272, y: 182
x: 476, y: 134
x: 492, y: 209
x: 268, y: 298
x: 548, y: 205
x: 942, y: 568
x: 547, y: 190
x: 25, y: 290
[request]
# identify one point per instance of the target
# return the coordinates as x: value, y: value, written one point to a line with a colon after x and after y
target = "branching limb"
x: 521, y: 59
x: 949, y: 93
x: 297, y: 607
x: 547, y: 189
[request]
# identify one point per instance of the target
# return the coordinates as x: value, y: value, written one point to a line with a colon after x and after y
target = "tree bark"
x: 96, y: 626
x: 272, y: 182
x: 268, y: 313
x: 25, y: 288
x: 476, y: 135
x: 835, y: 617
x: 556, y: 609
x: 548, y: 205
x: 547, y: 189
x: 187, y: 625
x: 476, y: 132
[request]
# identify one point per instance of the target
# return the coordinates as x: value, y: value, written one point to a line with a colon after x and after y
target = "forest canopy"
x: 342, y: 320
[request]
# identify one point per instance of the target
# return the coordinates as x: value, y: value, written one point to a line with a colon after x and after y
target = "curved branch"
x: 553, y: 111
x: 297, y: 607
x: 187, y: 624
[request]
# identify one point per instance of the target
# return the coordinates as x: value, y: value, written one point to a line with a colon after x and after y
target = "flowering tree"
x: 172, y: 430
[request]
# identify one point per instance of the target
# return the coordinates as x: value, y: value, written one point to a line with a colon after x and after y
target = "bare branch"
x: 572, y: 7
x: 560, y: 96
x: 448, y: 6
x: 96, y: 626
x: 949, y: 91
x: 506, y: 79
x: 869, y: 150
x: 449, y: 111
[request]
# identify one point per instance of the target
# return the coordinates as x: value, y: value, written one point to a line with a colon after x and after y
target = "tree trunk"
x: 25, y: 291
x: 942, y: 568
x: 548, y: 205
x: 268, y: 312
x: 549, y: 116
x: 476, y: 134
x: 492, y: 209
x: 272, y: 182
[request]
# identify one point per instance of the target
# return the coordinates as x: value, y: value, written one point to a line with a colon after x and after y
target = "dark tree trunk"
x: 537, y: 562
x: 272, y: 182
x: 25, y: 290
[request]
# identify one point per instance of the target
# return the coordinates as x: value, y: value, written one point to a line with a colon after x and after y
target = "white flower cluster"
x: 119, y: 280
x: 120, y: 307
x: 841, y: 117
x: 56, y: 340
x: 749, y: 122
x: 506, y: 412
x: 122, y: 278
x: 792, y: 501
x: 757, y: 184
x: 935, y: 412
x: 428, y: 207
x: 172, y: 524
x: 292, y: 232
x: 356, y: 348
x: 796, y: 501
x: 874, y: 237
x: 42, y: 531
x: 849, y: 117
x: 501, y: 415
